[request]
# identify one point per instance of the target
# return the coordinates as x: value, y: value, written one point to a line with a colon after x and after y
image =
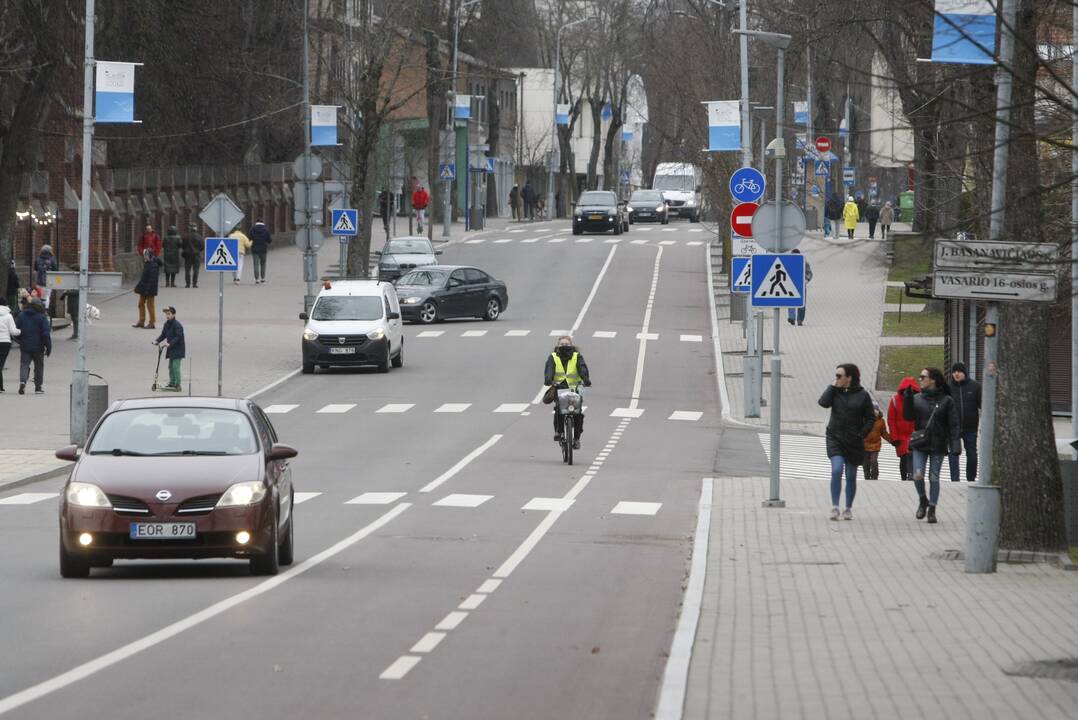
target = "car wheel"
x: 428, y: 313
x: 383, y: 364
x: 695, y: 217
x: 617, y: 227
x: 286, y: 550
x: 308, y: 368
x: 576, y: 230
x: 494, y: 309
x: 399, y: 360
x: 268, y: 563
x: 72, y: 566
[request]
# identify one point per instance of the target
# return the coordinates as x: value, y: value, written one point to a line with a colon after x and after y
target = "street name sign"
x: 1017, y: 256
x: 741, y: 218
x: 741, y: 272
x: 993, y: 284
x: 345, y: 222
x: 222, y: 254
x: 778, y: 281
x: 747, y: 185
x: 992, y: 270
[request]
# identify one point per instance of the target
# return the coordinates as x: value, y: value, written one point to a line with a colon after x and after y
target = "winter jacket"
x: 850, y: 214
x: 12, y: 282
x: 514, y: 195
x: 581, y: 367
x: 420, y: 198
x: 528, y: 193
x: 244, y: 241
x: 151, y: 270
x: 872, y: 213
x: 900, y: 427
x: 967, y: 401
x: 833, y: 209
x: 887, y: 215
x: 944, y: 433
x: 149, y: 241
x: 8, y: 328
x: 260, y: 238
x: 172, y: 333
x: 173, y: 243
x: 193, y: 246
x: 878, y: 432
x: 35, y: 330
x: 43, y: 265
x: 852, y: 418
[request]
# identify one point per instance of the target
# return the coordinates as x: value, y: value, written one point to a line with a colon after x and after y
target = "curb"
x: 30, y: 479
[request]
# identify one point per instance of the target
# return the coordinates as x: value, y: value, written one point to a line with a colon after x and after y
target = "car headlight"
x: 377, y: 334
x: 691, y: 202
x: 413, y: 300
x: 86, y: 495
x: 309, y: 335
x: 660, y: 208
x: 244, y: 493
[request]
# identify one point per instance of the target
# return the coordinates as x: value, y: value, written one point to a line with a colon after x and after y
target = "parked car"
x: 353, y: 322
x: 599, y: 211
x: 183, y: 477
x: 438, y: 292
x: 403, y: 254
x: 648, y: 205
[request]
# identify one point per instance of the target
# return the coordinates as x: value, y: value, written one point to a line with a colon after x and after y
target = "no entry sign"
x: 823, y: 143
x: 741, y: 218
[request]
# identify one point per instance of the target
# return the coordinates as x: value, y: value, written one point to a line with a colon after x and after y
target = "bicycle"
x: 747, y: 184
x: 570, y: 404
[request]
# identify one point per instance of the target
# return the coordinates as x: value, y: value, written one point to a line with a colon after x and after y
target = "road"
x: 449, y: 565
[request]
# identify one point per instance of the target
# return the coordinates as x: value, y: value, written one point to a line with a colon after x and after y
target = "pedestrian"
x: 528, y: 195
x: 35, y: 344
x: 850, y: 216
x: 936, y: 432
x: 193, y: 247
x: 900, y: 428
x: 385, y: 207
x: 798, y: 314
x: 852, y: 418
x: 43, y: 265
x: 150, y: 240
x: 243, y: 243
x: 172, y: 336
x: 170, y: 254
x: 146, y: 289
x: 565, y: 368
x: 514, y: 199
x: 966, y: 394
x: 887, y: 217
x: 873, y: 441
x: 872, y: 214
x: 8, y: 331
x: 420, y: 201
x: 12, y: 296
x: 260, y: 242
x: 833, y: 212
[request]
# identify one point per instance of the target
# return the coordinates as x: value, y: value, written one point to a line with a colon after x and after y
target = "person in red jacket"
x: 150, y: 240
x: 900, y: 428
x: 420, y: 201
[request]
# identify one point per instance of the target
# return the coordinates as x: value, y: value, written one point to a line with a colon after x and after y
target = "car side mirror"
x: 438, y: 252
x: 393, y: 316
x: 303, y: 316
x: 280, y: 451
x: 68, y: 452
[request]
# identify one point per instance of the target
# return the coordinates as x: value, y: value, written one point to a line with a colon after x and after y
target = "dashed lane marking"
x: 428, y: 642
x: 473, y: 333
x: 279, y: 409
x: 627, y: 507
x: 517, y: 333
x: 337, y: 408
x: 400, y: 667
x: 627, y: 412
x: 27, y: 498
x: 556, y: 240
x: 431, y: 333
x: 692, y: 338
x: 302, y: 497
x: 396, y: 408
x: 604, y: 334
x: 461, y: 464
x: 511, y: 408
x: 503, y: 241
x: 472, y: 601
x: 547, y: 504
x: 451, y: 621
x: 647, y: 336
x: 475, y: 241
x: 687, y: 415
x: 462, y: 500
x: 376, y: 498
x: 638, y: 242
x: 612, y: 241
x: 584, y: 240
x: 694, y: 243
x: 453, y: 408
x: 668, y: 242
x: 558, y: 333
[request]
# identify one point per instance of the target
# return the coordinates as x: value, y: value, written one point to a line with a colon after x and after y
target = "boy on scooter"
x: 172, y: 336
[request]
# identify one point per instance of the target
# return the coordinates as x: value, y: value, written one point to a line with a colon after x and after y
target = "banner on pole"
x: 964, y: 32
x: 801, y: 112
x: 561, y: 114
x: 462, y: 107
x: 607, y: 112
x: 723, y: 125
x: 627, y: 133
x: 114, y: 92
x: 323, y: 125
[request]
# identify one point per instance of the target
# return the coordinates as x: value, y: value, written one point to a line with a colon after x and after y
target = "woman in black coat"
x: 932, y: 411
x: 147, y: 290
x: 852, y: 418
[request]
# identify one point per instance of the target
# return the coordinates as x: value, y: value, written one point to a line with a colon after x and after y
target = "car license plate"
x: 644, y: 214
x: 597, y: 217
x: 162, y: 531
x: 342, y: 351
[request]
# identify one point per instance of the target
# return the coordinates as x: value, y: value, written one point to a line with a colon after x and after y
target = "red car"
x: 181, y: 477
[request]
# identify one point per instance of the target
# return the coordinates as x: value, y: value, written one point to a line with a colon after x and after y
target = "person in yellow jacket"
x: 850, y: 215
x: 565, y: 368
x: 244, y: 245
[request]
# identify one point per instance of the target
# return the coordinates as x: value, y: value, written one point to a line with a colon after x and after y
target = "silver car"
x: 404, y: 254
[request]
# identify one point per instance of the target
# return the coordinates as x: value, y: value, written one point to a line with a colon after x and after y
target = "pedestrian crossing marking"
x: 647, y: 336
x: 376, y: 498
x: 627, y: 507
x: 473, y: 333
x: 686, y: 415
x: 627, y: 412
x: 511, y: 408
x: 302, y: 497
x: 279, y: 409
x: 604, y: 334
x: 462, y: 500
x: 344, y: 225
x: 612, y: 241
x: 777, y: 284
x: 337, y: 408
x: 556, y: 240
x: 27, y: 498
x: 396, y: 408
x: 453, y: 408
x: 503, y: 241
x: 431, y: 333
x: 476, y: 241
x: 692, y: 338
x: 804, y: 457
x: 545, y: 504
x: 637, y: 242
x: 517, y: 333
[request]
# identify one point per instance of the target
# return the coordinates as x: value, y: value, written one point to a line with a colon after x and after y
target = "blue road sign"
x: 222, y: 254
x: 849, y: 175
x: 492, y: 164
x: 778, y: 281
x: 822, y: 169
x: 747, y: 184
x: 625, y: 176
x: 447, y: 171
x: 741, y: 272
x: 344, y: 222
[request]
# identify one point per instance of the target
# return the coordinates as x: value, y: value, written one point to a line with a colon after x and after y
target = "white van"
x: 354, y: 322
x: 680, y: 186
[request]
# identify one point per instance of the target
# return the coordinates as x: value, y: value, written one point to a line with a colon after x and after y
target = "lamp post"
x: 451, y: 149
x: 554, y: 116
x: 763, y: 130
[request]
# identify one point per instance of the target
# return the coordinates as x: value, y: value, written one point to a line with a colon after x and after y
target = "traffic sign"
x: 345, y: 222
x: 776, y: 236
x: 993, y: 284
x: 625, y: 177
x: 823, y: 169
x: 222, y: 254
x: 778, y: 281
x: 741, y: 246
x: 741, y: 218
x: 221, y: 214
x: 309, y: 238
x: 492, y: 164
x: 823, y: 143
x: 447, y: 171
x: 747, y: 185
x: 849, y: 175
x: 309, y: 197
x: 741, y: 272
x: 307, y: 167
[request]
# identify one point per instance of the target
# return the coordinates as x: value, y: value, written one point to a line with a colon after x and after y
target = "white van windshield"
x: 683, y: 183
x: 345, y: 307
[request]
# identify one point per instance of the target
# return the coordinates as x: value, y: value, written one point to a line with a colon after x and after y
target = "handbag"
x: 920, y: 439
x: 551, y: 394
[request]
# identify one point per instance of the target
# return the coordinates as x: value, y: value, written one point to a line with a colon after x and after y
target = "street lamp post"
x: 554, y: 117
x: 451, y: 148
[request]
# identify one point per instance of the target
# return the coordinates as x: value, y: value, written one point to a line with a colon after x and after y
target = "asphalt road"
x: 449, y: 565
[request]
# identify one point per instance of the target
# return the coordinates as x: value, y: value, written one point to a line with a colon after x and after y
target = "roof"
x: 353, y: 287
x: 178, y: 401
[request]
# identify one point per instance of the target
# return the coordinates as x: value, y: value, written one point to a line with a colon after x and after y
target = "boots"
x: 922, y: 507
x: 931, y: 514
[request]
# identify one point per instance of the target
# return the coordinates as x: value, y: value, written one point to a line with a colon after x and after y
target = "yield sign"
x: 823, y: 143
x: 741, y: 218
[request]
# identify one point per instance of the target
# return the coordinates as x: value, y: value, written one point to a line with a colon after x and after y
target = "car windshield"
x: 174, y: 431
x: 424, y: 277
x: 648, y: 196
x: 346, y: 307
x: 597, y: 198
x: 684, y: 183
x: 401, y: 247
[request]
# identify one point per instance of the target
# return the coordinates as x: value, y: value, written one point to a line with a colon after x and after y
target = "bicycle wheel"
x: 570, y: 438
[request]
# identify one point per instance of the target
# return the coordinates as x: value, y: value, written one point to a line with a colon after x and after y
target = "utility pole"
x: 80, y: 379
x: 310, y: 255
x: 776, y: 361
x: 754, y: 351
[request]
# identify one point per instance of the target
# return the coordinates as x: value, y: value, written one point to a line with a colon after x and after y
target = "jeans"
x: 190, y: 272
x: 837, y: 464
x: 147, y: 310
x: 174, y: 372
x: 38, y: 358
x: 5, y: 348
x: 935, y: 464
x: 969, y: 442
x: 260, y: 265
x: 796, y: 315
x: 885, y: 230
x: 872, y: 228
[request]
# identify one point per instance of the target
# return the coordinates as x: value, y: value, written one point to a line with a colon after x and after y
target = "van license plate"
x: 162, y: 531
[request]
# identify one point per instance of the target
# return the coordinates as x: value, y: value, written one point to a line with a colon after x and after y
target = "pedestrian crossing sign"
x: 447, y: 172
x: 741, y: 272
x: 778, y: 281
x: 345, y: 222
x: 822, y: 169
x: 222, y: 254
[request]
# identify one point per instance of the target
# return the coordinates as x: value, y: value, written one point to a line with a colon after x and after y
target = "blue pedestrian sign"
x: 778, y: 281
x: 222, y: 254
x: 822, y: 169
x: 345, y: 222
x: 625, y: 177
x: 447, y: 171
x: 747, y: 184
x: 492, y: 165
x: 741, y: 272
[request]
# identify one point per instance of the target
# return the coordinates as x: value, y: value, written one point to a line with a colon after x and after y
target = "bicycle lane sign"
x: 747, y: 185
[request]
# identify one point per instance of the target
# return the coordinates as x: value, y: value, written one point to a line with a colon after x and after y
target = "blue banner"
x: 964, y: 32
x: 801, y: 112
x: 462, y: 107
x: 723, y: 125
x: 626, y: 133
x: 323, y: 124
x: 114, y: 92
x: 561, y: 114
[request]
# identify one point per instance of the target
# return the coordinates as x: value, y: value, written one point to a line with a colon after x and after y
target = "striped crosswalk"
x: 804, y: 457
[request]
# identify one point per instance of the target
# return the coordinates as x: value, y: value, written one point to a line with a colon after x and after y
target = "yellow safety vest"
x: 569, y: 375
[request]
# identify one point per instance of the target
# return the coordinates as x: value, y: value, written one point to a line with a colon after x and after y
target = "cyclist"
x: 565, y: 368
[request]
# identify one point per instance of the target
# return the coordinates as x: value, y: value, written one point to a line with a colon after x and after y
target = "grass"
x: 893, y: 293
x: 898, y: 361
x: 1074, y: 555
x: 914, y: 324
x: 912, y: 260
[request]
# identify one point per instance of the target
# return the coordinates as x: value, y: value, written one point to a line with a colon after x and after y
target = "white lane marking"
x: 676, y: 675
x: 627, y: 412
x: 102, y: 662
x: 503, y: 241
x: 265, y: 388
x: 558, y: 333
x: 604, y: 334
x: 489, y: 586
x: 279, y: 409
x: 694, y: 243
x: 692, y: 338
x: 644, y: 229
x: 302, y: 497
x: 638, y: 242
x: 453, y: 407
x: 431, y: 333
x: 669, y: 230
x: 511, y: 408
x: 518, y: 230
x: 627, y: 507
x: 716, y: 345
x: 376, y: 498
x: 647, y: 336
x: 639, y: 379
x: 696, y: 229
x: 547, y: 504
x: 528, y: 241
x: 688, y: 415
x: 668, y: 242
x: 462, y: 500
x: 517, y: 333
x: 451, y: 621
x: 584, y: 240
x: 428, y: 642
x: 337, y: 408
x: 476, y: 241
x: 395, y: 408
x: 564, y: 229
x: 461, y: 464
x: 506, y: 569
x: 400, y: 667
x: 27, y: 498
x: 612, y: 241
x: 556, y: 240
x: 473, y: 333
x: 472, y: 601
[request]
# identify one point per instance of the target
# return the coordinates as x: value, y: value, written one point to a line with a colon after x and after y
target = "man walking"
x: 192, y: 256
x: 514, y: 200
x: 887, y: 216
x: 872, y: 214
x: 35, y: 344
x: 146, y: 289
x: 172, y: 336
x: 528, y: 195
x: 260, y: 242
x: 833, y: 212
x: 385, y: 206
x: 966, y: 394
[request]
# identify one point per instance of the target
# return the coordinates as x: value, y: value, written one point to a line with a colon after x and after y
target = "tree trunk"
x: 596, y: 108
x: 610, y: 180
